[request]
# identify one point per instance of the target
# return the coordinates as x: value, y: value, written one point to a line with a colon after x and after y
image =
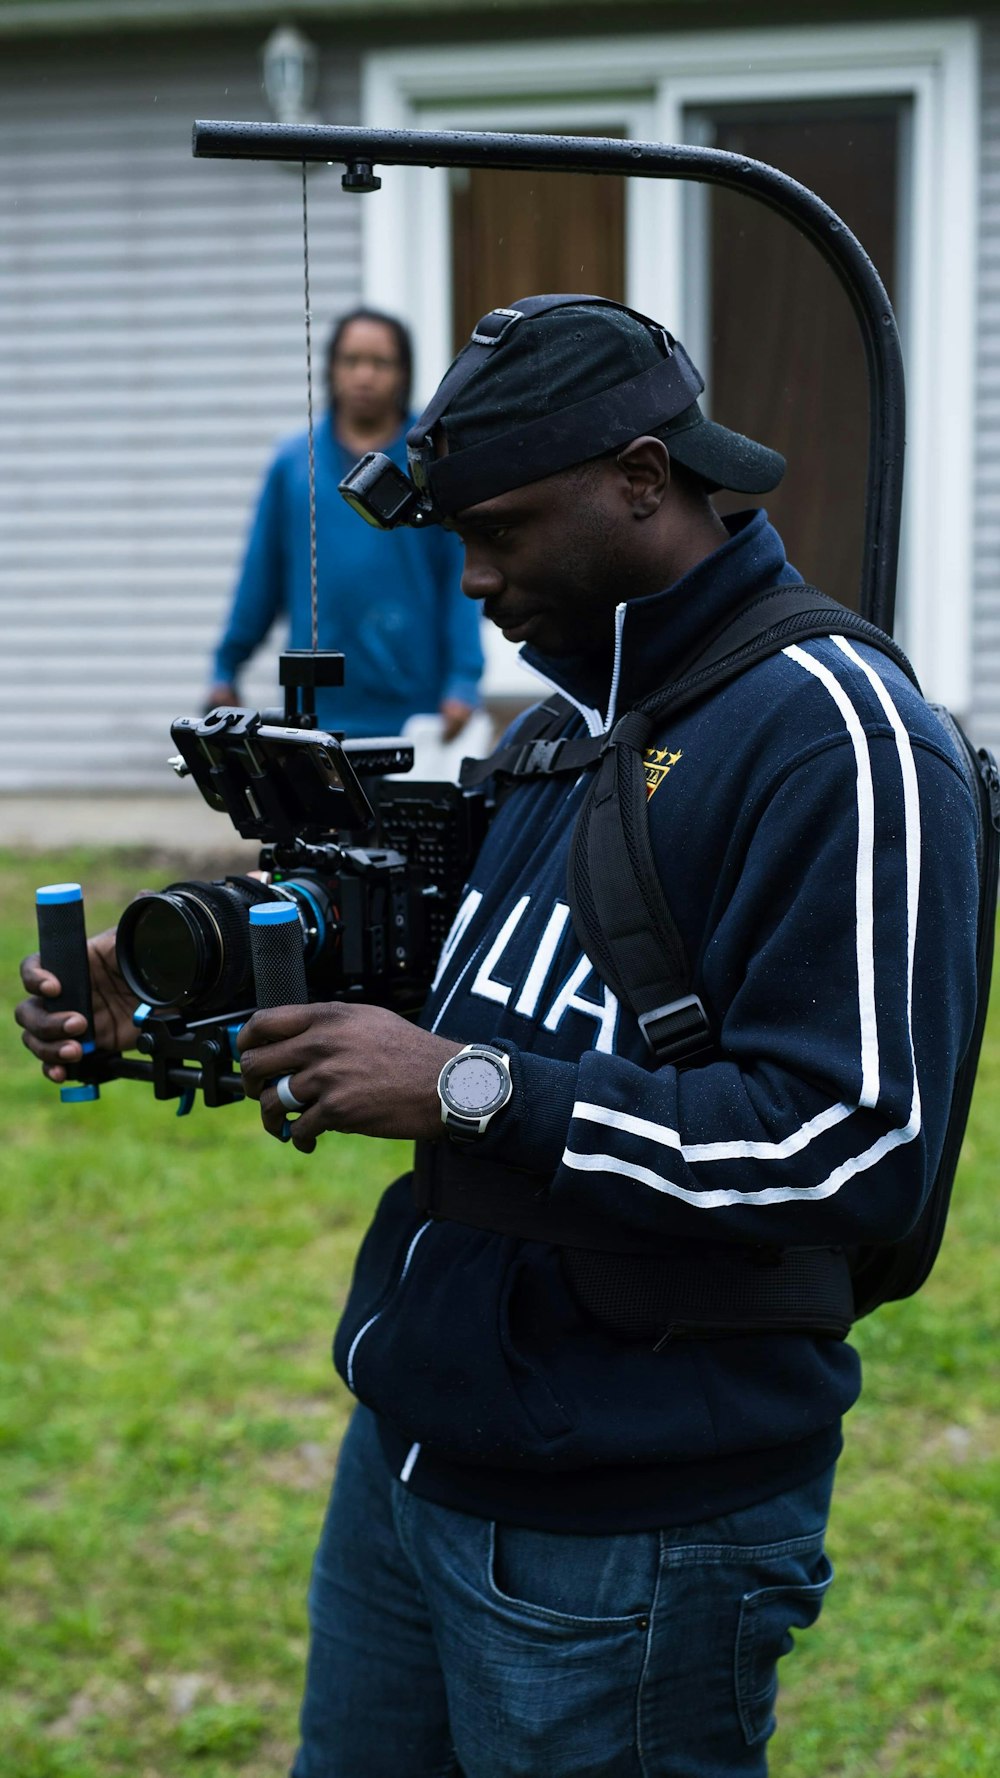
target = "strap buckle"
x: 679, y: 1031
x: 538, y: 756
x: 492, y: 328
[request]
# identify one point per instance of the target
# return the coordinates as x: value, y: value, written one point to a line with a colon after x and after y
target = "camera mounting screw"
x: 359, y: 177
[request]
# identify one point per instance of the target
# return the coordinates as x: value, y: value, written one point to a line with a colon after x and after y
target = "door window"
x: 780, y: 348
x: 521, y: 234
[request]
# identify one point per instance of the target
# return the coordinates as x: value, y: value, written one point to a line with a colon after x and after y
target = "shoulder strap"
x: 620, y: 913
x: 768, y: 623
x: 536, y: 748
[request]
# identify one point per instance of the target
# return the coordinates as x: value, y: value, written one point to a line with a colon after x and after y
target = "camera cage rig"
x: 277, y: 776
x: 283, y: 783
x: 370, y: 886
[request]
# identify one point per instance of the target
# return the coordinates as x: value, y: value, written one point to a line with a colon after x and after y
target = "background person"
x: 390, y: 601
x: 552, y: 1547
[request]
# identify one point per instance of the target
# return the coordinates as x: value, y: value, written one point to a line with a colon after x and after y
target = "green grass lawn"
x: 169, y: 1419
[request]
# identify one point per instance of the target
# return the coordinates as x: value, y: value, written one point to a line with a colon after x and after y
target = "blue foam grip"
x: 273, y: 913
x: 57, y: 894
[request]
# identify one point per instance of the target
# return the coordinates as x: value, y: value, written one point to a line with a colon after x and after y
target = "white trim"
x: 912, y: 827
x: 359, y: 1336
x: 651, y: 86
x: 411, y: 1457
x: 864, y: 874
x: 721, y: 1200
x: 700, y: 1153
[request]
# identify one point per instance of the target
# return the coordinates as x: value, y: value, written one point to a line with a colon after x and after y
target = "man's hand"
x: 355, y: 1068
x: 220, y: 693
x: 454, y: 715
x: 54, y: 1036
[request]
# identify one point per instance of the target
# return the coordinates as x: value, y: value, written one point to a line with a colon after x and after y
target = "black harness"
x: 632, y: 1286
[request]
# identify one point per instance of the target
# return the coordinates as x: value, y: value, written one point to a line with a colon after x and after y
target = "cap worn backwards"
x: 555, y: 388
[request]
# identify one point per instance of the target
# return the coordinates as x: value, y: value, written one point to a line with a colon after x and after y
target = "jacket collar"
x: 327, y: 440
x: 653, y: 634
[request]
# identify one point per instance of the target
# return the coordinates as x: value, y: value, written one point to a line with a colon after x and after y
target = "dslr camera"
x: 368, y: 868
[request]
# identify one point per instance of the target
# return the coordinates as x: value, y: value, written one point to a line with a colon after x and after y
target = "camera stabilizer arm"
x: 360, y: 151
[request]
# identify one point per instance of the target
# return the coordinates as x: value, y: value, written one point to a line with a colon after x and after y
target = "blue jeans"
x: 446, y: 1646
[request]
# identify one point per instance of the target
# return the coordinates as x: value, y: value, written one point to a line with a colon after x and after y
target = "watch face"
x: 473, y: 1084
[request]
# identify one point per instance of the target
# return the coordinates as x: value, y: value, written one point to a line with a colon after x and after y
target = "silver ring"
x: 285, y: 1095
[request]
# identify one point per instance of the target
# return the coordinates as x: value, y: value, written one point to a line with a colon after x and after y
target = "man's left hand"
x: 355, y: 1068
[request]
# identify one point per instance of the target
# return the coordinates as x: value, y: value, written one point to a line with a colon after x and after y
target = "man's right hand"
x: 54, y: 1037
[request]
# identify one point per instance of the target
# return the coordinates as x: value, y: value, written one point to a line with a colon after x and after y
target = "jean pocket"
x: 573, y: 1579
x: 767, y: 1619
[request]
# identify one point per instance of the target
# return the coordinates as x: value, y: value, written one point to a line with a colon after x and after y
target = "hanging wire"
x: 313, y: 595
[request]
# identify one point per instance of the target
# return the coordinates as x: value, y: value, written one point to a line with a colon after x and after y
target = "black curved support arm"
x: 359, y: 150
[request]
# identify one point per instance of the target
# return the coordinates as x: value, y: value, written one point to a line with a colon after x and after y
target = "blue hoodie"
x: 389, y: 600
x: 816, y: 841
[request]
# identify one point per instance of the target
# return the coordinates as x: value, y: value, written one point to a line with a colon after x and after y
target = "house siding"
x: 985, y: 716
x: 151, y: 351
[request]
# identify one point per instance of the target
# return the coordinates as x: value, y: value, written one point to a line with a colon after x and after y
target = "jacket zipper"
x: 359, y: 1336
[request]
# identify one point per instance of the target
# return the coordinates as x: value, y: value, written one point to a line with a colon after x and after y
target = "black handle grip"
x: 62, y: 948
x: 62, y: 945
x: 279, y: 968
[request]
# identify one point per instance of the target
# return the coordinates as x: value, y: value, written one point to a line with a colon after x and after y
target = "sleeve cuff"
x: 530, y: 1133
x: 466, y: 691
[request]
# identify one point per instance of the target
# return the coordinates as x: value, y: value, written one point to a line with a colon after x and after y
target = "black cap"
x: 539, y: 365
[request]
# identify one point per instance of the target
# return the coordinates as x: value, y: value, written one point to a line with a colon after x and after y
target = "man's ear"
x: 645, y: 464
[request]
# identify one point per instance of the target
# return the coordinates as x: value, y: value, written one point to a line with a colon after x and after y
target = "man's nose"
x: 480, y: 580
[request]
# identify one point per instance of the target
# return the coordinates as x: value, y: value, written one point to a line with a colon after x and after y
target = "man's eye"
x: 481, y: 533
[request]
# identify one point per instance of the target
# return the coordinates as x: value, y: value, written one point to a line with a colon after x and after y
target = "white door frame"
x: 651, y: 86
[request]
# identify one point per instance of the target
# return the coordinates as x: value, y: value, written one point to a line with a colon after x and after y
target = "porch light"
x: 291, y: 66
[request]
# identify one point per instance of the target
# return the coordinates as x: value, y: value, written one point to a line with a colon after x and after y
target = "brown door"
x: 786, y: 363
x: 521, y: 234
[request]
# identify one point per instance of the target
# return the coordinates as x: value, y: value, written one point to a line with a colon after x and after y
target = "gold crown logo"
x: 656, y: 763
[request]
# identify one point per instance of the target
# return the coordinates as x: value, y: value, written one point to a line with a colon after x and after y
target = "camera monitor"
x: 280, y: 784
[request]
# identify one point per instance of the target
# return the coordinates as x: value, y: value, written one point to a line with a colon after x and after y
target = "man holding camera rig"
x: 572, y: 1530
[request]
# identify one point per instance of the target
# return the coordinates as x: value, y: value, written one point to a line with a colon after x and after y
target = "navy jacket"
x: 816, y: 841
x: 391, y: 601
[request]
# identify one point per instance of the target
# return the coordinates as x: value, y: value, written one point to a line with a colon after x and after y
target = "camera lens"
x: 189, y: 946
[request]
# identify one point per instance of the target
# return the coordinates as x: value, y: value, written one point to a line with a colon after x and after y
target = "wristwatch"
x: 473, y: 1086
